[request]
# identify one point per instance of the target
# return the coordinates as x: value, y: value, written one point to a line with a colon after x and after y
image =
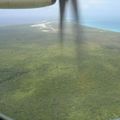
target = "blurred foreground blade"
x: 75, y: 10
x: 77, y: 26
x: 77, y: 30
x: 62, y: 6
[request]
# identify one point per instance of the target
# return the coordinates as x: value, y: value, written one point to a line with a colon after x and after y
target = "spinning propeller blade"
x: 62, y: 6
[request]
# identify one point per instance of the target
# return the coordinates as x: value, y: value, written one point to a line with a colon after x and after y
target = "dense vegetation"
x: 41, y: 81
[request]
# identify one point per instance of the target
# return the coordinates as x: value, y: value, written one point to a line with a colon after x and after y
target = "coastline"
x: 95, y: 26
x: 102, y: 28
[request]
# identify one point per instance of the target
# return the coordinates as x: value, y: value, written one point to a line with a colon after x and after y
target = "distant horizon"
x: 85, y: 25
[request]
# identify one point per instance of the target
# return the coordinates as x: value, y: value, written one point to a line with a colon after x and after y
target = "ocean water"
x: 105, y: 25
x: 111, y: 26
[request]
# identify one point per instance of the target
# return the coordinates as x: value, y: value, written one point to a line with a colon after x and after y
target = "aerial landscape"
x: 41, y: 82
x: 53, y: 68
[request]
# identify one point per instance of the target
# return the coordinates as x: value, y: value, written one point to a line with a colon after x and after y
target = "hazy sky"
x: 106, y: 11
